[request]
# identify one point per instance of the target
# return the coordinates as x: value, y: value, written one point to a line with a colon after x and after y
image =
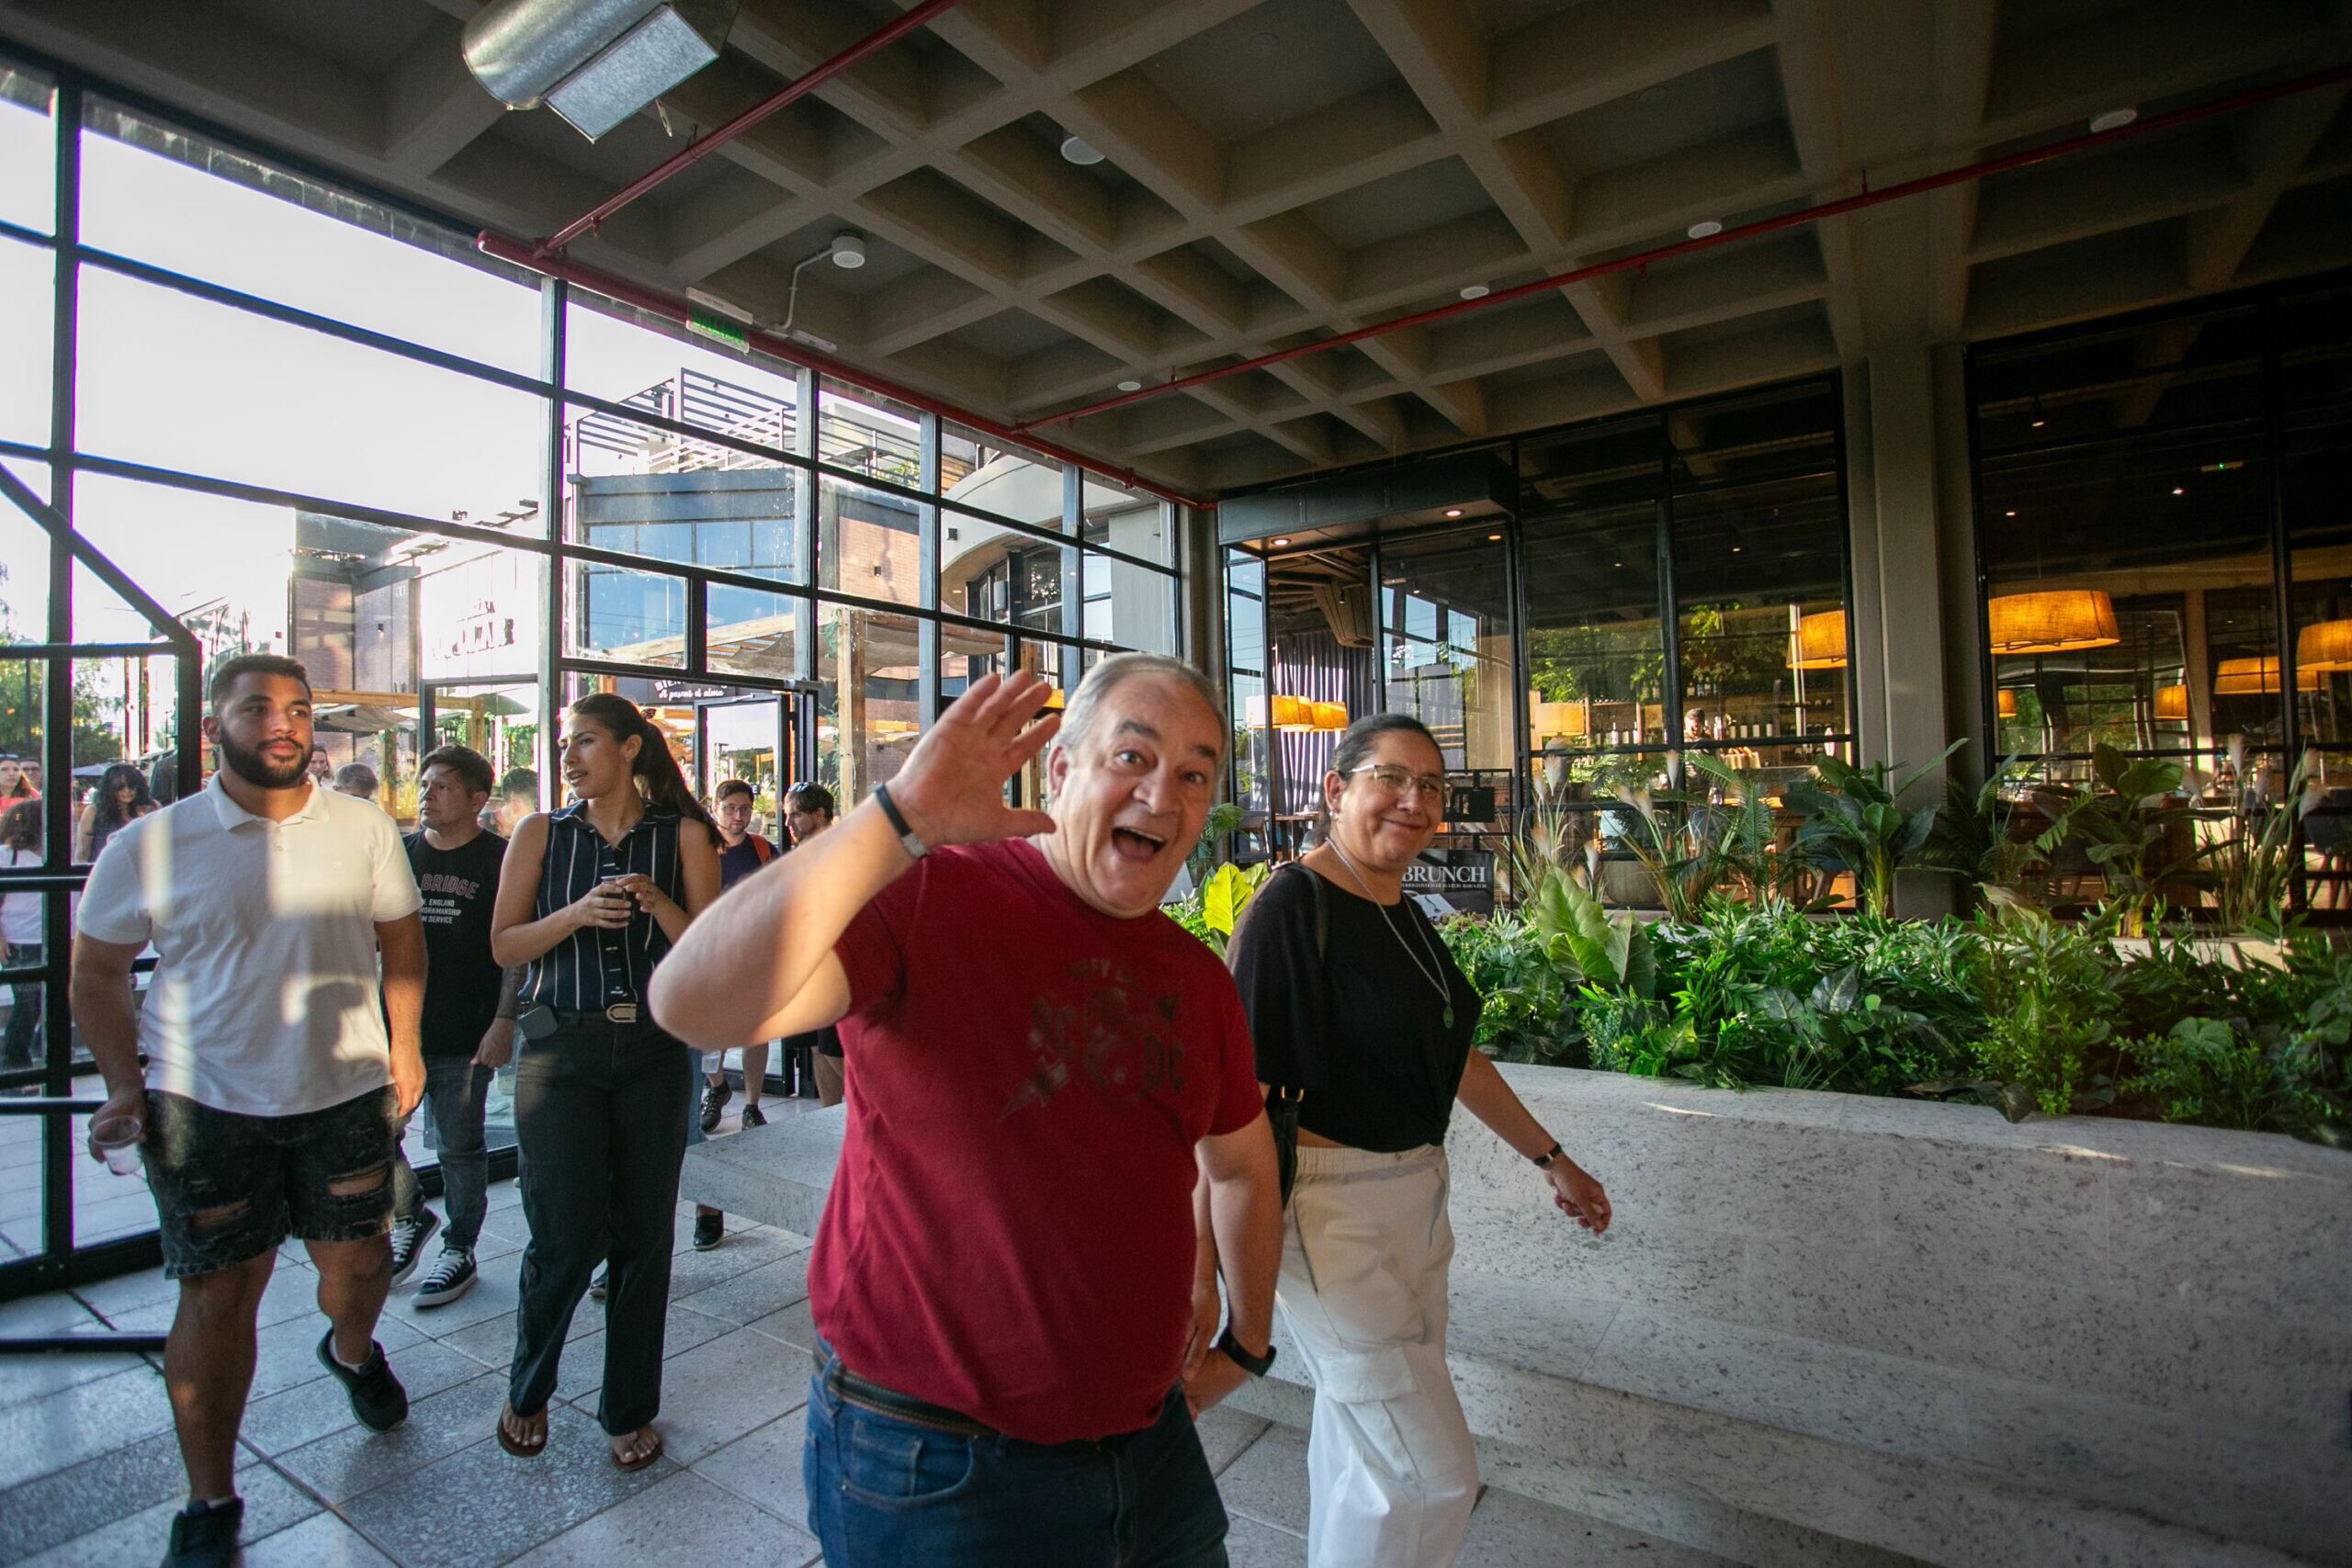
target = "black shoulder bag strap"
x: 1282, y: 1102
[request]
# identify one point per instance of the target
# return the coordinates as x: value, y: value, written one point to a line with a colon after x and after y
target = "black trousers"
x: 600, y: 1111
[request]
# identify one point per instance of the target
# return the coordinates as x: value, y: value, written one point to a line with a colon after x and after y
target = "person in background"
x: 163, y: 778
x: 518, y: 796
x: 32, y: 769
x: 276, y: 1070
x: 20, y: 934
x: 322, y: 768
x: 1047, y: 1067
x: 591, y: 898
x: 13, y: 784
x: 122, y: 797
x: 808, y: 812
x: 469, y: 1028
x: 356, y: 780
x: 741, y: 852
x: 1354, y: 1001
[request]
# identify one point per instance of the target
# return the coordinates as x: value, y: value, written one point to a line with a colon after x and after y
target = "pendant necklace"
x: 1445, y: 992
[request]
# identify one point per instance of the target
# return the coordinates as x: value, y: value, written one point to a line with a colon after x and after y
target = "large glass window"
x: 28, y: 149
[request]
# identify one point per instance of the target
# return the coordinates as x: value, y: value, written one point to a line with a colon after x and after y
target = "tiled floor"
x: 89, y: 1474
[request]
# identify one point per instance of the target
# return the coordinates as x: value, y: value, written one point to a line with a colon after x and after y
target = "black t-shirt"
x: 461, y: 979
x: 737, y: 862
x: 1360, y: 1030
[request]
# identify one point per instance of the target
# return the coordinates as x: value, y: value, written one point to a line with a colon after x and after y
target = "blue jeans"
x: 894, y: 1493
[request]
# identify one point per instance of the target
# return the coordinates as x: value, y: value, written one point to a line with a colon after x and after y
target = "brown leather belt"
x: 851, y: 1389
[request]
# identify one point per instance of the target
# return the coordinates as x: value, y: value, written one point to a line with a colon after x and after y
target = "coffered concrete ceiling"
x: 1283, y: 171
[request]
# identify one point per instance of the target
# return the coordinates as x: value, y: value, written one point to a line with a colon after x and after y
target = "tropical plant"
x: 1857, y: 815
x: 1223, y: 819
x: 2127, y: 827
x: 1682, y: 846
x: 2253, y: 866
x: 1521, y: 989
x: 1590, y: 947
x: 1211, y: 911
x: 1970, y: 837
x: 1743, y: 823
x: 2049, y: 1013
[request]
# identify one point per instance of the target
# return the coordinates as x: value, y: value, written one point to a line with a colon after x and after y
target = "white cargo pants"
x: 1365, y: 1249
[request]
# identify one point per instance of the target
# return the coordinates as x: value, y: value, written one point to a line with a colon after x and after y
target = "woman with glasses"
x: 1360, y: 1014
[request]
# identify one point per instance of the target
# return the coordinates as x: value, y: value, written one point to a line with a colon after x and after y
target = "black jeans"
x: 600, y: 1111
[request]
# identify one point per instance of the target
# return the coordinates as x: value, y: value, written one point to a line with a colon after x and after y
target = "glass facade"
x: 2165, y: 565
x: 1672, y: 581
x: 311, y: 422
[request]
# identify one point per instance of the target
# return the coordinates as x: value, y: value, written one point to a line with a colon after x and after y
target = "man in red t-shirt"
x: 1048, y: 1067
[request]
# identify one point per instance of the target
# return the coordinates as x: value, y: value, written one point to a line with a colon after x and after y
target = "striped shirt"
x: 597, y: 964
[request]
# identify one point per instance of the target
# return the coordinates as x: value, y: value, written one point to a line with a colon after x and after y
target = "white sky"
x: 181, y: 383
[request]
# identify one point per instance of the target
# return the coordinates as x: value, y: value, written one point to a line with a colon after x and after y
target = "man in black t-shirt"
x: 741, y: 852
x: 808, y: 812
x: 468, y: 1028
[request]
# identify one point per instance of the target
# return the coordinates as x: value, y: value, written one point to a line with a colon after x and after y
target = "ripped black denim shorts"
x: 229, y: 1187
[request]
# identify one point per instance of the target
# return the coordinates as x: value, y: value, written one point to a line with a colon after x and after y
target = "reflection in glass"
x: 1589, y: 533
x: 634, y: 488
x: 869, y: 698
x: 1444, y: 604
x: 27, y: 150
x: 867, y: 542
x: 27, y: 309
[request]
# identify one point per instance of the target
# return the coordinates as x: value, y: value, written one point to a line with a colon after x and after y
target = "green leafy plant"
x: 1970, y: 837
x: 2049, y: 1013
x: 1588, y: 944
x: 1856, y: 814
x: 1683, y: 847
x: 2253, y: 864
x: 2128, y: 828
x: 1524, y: 992
x: 1745, y: 827
x: 1223, y: 818
x: 1211, y: 911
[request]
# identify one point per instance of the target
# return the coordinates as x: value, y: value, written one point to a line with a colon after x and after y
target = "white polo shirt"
x: 264, y: 998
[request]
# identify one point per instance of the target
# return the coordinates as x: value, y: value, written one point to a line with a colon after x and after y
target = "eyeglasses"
x: 1397, y: 781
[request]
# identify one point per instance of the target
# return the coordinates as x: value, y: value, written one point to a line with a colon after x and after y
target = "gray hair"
x: 356, y: 778
x: 1078, y: 719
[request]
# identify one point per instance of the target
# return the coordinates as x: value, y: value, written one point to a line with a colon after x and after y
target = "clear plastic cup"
x: 117, y: 1139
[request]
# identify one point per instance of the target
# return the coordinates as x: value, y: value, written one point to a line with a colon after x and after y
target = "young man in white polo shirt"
x: 273, y: 1090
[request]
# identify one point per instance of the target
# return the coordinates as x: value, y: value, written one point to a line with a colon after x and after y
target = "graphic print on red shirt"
x: 1009, y: 1227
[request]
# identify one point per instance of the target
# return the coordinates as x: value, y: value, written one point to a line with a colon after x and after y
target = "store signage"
x: 1463, y: 876
x: 675, y: 693
x: 480, y: 629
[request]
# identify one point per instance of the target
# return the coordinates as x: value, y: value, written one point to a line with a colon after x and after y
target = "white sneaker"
x: 453, y: 1275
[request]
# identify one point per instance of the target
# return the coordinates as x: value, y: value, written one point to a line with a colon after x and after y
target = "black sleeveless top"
x: 593, y: 966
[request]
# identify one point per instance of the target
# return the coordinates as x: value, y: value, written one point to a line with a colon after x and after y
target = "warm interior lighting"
x: 2058, y: 621
x: 1054, y: 702
x: 1819, y: 641
x: 2323, y: 646
x: 1290, y: 713
x: 2004, y: 703
x: 1549, y: 719
x: 2258, y: 678
x: 2172, y: 701
x: 1330, y: 716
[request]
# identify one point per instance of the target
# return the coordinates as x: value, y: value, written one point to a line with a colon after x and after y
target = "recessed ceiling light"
x: 1494, y: 538
x: 2177, y: 490
x: 1736, y: 549
x: 1280, y: 543
x: 1453, y: 512
x: 2113, y: 120
x: 1705, y: 228
x: 1476, y: 291
x: 1080, y: 150
x: 848, y: 250
x: 2009, y: 515
x: 1131, y: 385
x: 1264, y: 43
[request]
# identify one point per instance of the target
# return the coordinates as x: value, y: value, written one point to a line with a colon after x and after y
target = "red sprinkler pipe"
x: 1827, y: 209
x: 816, y: 76
x: 654, y: 302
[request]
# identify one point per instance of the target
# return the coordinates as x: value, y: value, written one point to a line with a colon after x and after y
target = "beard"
x: 256, y: 770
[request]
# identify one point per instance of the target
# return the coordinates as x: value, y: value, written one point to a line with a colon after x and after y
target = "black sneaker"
x: 377, y: 1396
x: 596, y: 1282
x: 708, y: 1228
x: 453, y: 1275
x: 204, y: 1535
x: 409, y: 1238
x: 714, y: 1101
x: 751, y: 1117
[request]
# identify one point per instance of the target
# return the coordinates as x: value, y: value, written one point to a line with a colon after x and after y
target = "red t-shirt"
x: 1009, y: 1229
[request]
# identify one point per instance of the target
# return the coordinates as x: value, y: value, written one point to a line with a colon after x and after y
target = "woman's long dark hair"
x: 111, y: 814
x: 655, y: 769
x: 24, y: 787
x: 20, y: 826
x: 1356, y: 744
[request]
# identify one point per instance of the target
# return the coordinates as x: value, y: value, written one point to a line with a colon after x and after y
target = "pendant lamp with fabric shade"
x: 1549, y: 720
x: 1819, y: 641
x: 2056, y: 621
x: 2004, y: 704
x: 2172, y: 701
x: 1329, y: 716
x: 1293, y: 713
x: 2323, y: 646
x: 2257, y: 678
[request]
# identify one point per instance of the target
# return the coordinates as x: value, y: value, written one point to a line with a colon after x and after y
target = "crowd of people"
x: 1063, y: 1219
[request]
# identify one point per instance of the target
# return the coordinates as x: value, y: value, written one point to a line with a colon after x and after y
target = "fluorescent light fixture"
x: 595, y: 63
x: 2113, y: 120
x: 1705, y: 228
x: 1476, y: 291
x: 1131, y: 385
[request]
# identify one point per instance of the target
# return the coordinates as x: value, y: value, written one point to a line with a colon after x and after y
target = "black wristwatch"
x: 1255, y: 1366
